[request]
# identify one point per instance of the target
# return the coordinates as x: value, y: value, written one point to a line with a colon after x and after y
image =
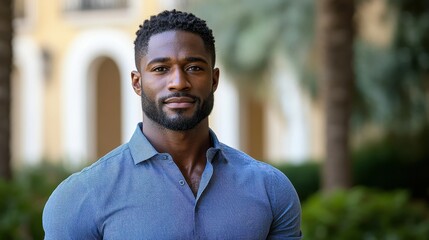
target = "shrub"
x: 360, y: 213
x: 392, y: 164
x: 22, y: 201
x: 304, y: 177
x: 16, y: 212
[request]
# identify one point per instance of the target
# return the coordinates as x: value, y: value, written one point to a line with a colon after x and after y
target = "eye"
x: 194, y: 68
x: 159, y: 69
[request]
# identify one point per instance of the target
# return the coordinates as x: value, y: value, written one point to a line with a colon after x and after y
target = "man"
x: 174, y: 179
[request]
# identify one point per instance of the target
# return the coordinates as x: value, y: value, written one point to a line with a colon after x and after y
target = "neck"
x: 186, y: 147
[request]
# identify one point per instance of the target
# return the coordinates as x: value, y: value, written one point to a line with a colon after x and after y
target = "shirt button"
x: 181, y: 182
x: 165, y: 157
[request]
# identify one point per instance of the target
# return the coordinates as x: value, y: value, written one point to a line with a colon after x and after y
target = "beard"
x: 178, y: 122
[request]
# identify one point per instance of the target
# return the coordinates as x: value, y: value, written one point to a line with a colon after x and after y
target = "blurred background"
x: 334, y: 93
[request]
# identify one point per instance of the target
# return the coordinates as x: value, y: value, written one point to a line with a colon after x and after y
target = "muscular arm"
x: 68, y: 213
x: 286, y: 209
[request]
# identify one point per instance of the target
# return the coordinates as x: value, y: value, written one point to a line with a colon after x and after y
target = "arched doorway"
x: 107, y: 107
x: 78, y: 93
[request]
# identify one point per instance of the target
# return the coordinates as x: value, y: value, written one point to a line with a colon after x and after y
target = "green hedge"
x: 395, y: 163
x: 361, y: 213
x: 305, y: 178
x: 22, y: 201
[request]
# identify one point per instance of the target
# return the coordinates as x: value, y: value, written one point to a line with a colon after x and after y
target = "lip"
x: 179, y: 102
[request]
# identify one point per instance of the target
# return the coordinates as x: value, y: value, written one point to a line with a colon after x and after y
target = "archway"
x: 77, y: 123
x: 108, y: 107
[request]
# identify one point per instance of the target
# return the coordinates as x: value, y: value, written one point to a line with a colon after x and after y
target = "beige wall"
x: 53, y: 31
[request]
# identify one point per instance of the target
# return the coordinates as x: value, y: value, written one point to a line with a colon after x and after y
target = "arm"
x: 68, y: 213
x: 286, y: 209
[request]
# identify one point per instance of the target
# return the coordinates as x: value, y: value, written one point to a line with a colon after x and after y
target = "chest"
x: 225, y: 208
x: 180, y: 222
x: 178, y: 219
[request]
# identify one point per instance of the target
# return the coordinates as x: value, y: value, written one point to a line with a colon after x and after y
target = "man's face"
x: 177, y: 80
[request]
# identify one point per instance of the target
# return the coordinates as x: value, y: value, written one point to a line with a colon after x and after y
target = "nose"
x: 178, y: 81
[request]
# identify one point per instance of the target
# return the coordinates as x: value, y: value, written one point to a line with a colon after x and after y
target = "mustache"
x: 178, y: 94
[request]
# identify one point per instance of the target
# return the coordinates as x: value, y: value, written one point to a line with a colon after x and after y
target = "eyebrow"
x: 158, y: 60
x: 166, y: 59
x: 196, y: 59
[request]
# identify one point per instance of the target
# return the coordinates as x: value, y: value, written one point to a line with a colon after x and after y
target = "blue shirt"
x: 135, y: 192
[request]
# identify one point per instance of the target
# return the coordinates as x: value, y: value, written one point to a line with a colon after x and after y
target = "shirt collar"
x: 217, y: 148
x: 142, y: 150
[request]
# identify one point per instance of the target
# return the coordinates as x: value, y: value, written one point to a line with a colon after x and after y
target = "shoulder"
x: 276, y: 182
x: 89, y: 177
x: 73, y: 204
x: 101, y: 167
x: 283, y: 199
x: 246, y: 162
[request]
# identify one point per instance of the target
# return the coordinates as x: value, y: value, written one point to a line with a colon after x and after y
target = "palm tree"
x: 255, y: 31
x: 335, y: 30
x: 5, y: 84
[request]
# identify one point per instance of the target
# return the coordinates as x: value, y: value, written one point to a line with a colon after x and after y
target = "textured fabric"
x: 134, y: 192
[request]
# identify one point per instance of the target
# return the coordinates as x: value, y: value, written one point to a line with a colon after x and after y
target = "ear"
x: 215, y: 80
x: 135, y: 82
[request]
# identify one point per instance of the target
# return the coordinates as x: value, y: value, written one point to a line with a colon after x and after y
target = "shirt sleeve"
x: 286, y: 209
x: 68, y: 213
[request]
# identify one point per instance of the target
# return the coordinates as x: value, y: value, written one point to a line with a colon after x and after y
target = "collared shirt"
x: 135, y: 192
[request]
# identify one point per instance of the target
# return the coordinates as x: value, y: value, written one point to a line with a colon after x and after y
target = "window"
x: 94, y: 5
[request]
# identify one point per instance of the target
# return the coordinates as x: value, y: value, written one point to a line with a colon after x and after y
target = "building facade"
x: 72, y: 95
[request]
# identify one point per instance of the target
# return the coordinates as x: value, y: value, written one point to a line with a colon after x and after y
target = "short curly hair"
x: 172, y: 20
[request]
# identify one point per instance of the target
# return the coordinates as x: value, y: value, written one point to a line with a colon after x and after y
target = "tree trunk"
x: 335, y: 29
x: 6, y: 12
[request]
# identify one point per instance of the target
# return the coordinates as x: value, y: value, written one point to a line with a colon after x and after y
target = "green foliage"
x: 392, y: 82
x: 400, y: 161
x: 22, y: 201
x: 16, y: 213
x: 250, y: 33
x: 396, y: 162
x: 361, y: 213
x: 304, y: 177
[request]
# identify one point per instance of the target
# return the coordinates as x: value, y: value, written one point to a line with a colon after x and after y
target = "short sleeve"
x: 68, y: 213
x: 286, y: 208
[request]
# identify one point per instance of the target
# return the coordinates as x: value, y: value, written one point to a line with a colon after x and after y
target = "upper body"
x: 132, y: 194
x: 135, y: 192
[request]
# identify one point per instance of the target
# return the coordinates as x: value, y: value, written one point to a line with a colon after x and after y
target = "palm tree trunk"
x: 335, y: 29
x: 6, y: 12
